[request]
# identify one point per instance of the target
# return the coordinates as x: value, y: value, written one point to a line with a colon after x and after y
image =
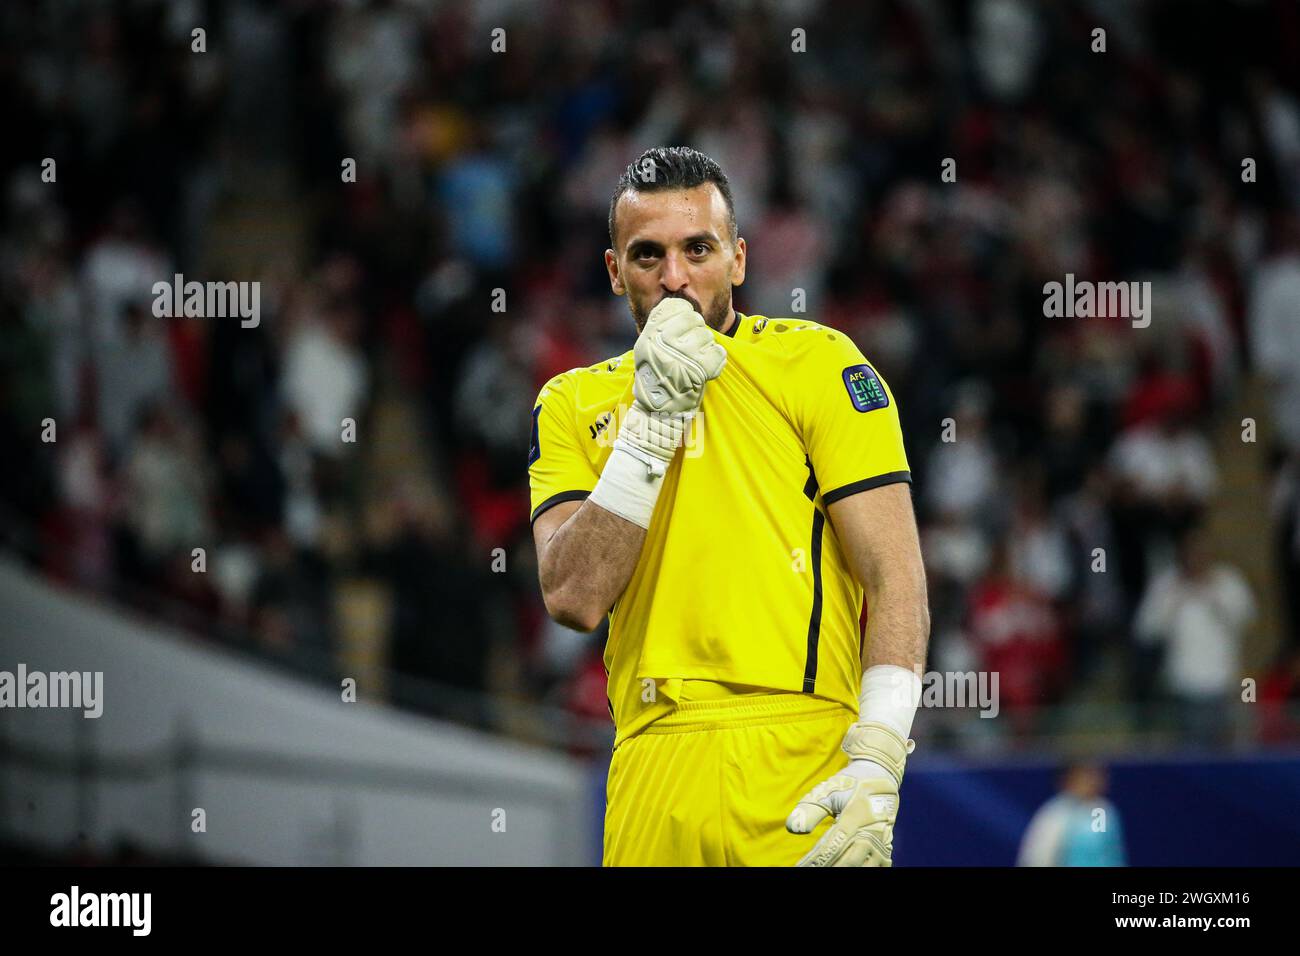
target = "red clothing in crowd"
x: 1017, y: 634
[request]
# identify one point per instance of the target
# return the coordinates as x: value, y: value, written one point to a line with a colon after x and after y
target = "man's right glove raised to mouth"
x: 675, y: 356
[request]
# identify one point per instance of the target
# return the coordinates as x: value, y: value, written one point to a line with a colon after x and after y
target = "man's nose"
x: 673, y: 277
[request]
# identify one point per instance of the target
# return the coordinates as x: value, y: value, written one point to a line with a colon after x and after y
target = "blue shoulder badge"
x: 865, y: 390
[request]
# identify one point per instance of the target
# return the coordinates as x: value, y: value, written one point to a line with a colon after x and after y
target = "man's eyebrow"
x: 702, y: 237
x: 689, y: 240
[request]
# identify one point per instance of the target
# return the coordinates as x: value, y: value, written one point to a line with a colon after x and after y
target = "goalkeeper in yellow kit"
x: 728, y: 492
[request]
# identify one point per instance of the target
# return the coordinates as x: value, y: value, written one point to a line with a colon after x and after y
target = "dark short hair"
x: 672, y: 167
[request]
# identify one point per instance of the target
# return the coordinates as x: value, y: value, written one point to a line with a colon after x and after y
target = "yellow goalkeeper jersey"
x: 742, y: 579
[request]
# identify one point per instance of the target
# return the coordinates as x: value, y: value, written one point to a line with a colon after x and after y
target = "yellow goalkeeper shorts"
x: 712, y: 783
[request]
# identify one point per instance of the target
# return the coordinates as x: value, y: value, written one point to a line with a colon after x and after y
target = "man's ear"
x: 615, y: 277
x: 738, y: 271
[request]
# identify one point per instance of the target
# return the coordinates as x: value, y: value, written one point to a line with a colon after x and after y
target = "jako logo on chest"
x: 600, y: 424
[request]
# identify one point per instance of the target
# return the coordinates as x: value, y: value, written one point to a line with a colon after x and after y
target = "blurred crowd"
x: 1066, y: 469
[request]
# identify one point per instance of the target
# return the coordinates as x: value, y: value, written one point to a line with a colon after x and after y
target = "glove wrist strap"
x: 881, y: 744
x: 887, y: 707
x: 629, y: 486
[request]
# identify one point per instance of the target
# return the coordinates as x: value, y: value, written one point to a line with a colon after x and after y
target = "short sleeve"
x: 558, y: 468
x: 847, y: 417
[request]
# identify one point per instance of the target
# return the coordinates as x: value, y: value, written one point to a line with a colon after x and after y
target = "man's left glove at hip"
x: 863, y: 798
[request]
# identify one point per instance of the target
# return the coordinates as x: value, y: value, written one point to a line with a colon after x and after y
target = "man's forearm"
x: 893, y: 664
x: 587, y: 565
x: 898, y: 624
x: 863, y: 797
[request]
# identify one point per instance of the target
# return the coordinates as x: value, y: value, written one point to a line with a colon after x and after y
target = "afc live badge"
x: 865, y: 390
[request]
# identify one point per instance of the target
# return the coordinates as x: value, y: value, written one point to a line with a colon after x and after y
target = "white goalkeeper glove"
x: 863, y: 797
x: 675, y: 356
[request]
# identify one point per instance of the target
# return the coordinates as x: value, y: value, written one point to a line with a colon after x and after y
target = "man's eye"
x: 703, y: 247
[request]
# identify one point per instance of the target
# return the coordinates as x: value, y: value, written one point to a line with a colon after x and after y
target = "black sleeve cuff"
x: 866, y: 484
x: 554, y: 500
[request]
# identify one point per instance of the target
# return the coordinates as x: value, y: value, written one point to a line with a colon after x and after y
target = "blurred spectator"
x: 955, y: 549
x: 119, y: 273
x: 1077, y: 827
x: 1196, y: 612
x: 1018, y: 636
x: 788, y: 257
x: 88, y: 503
x: 134, y: 372
x: 963, y: 473
x: 326, y: 378
x: 441, y: 629
x: 1067, y: 448
x: 1279, y: 701
x: 1166, y: 463
x: 165, y: 493
x: 1099, y: 613
x: 289, y: 603
x: 1275, y: 328
x: 494, y: 397
x: 371, y: 56
x: 475, y: 191
x: 1164, y: 474
x: 1040, y: 550
x: 235, y: 568
x: 1007, y: 43
x: 55, y: 313
x: 586, y: 694
x: 1286, y: 519
x: 302, y: 500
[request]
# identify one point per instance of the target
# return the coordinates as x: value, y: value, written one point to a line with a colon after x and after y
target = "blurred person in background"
x: 963, y: 472
x: 133, y: 371
x: 165, y: 494
x: 440, y: 625
x: 1196, y: 612
x: 1017, y: 633
x: 1067, y: 448
x: 1279, y: 702
x: 118, y: 272
x: 1098, y: 616
x: 1274, y: 326
x: 1040, y: 548
x: 290, y: 602
x: 1286, y: 520
x: 584, y: 696
x: 326, y: 377
x: 89, y: 498
x: 1077, y: 827
x: 1164, y: 472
